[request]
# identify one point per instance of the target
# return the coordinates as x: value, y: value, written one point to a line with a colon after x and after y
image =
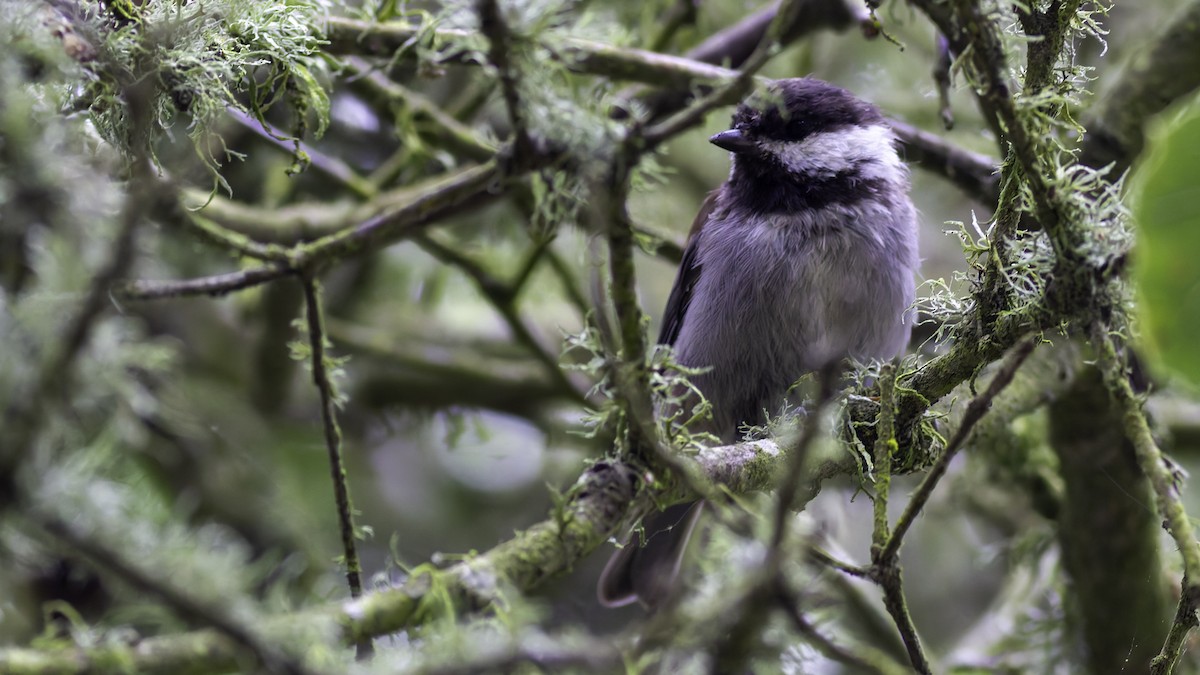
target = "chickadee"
x: 804, y: 256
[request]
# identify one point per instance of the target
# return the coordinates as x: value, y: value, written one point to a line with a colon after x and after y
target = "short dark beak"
x: 733, y: 141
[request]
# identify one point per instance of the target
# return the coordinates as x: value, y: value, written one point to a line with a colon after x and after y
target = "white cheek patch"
x: 869, y: 150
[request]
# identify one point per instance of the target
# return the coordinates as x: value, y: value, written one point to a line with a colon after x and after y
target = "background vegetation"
x: 244, y: 242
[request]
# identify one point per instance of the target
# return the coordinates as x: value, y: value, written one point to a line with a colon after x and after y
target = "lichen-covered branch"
x: 885, y: 569
x: 320, y: 366
x: 397, y: 217
x: 195, y: 611
x: 1106, y: 491
x: 354, y: 37
x: 1167, y: 500
x: 592, y: 511
x: 976, y: 409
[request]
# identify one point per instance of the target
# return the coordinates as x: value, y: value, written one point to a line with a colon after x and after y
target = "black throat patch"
x: 776, y: 190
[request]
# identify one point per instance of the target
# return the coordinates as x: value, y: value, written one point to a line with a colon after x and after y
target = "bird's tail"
x: 646, y: 573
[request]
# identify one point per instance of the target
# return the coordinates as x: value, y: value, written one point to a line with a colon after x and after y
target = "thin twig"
x: 976, y: 409
x: 536, y: 254
x: 975, y: 174
x: 492, y: 24
x: 226, y: 238
x: 828, y: 560
x: 333, y: 440
x: 885, y: 446
x: 213, y: 286
x: 329, y: 165
x: 885, y: 568
x: 455, y: 135
x: 568, y: 281
x: 666, y: 246
x: 1173, y: 646
x: 785, y: 502
x: 891, y: 579
x: 502, y: 296
x: 860, y: 656
x: 941, y: 77
x: 395, y: 222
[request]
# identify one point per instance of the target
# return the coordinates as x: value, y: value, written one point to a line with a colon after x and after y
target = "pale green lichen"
x: 208, y: 57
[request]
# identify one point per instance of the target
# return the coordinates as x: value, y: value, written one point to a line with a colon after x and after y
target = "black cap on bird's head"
x: 792, y: 110
x: 806, y: 144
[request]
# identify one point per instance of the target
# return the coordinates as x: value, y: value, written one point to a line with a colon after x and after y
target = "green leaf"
x: 1166, y: 207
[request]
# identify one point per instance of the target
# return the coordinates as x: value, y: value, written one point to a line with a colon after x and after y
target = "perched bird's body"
x: 806, y: 255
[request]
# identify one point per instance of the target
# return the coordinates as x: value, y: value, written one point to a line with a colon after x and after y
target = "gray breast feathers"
x: 781, y: 296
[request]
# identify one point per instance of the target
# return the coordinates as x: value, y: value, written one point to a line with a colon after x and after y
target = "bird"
x: 806, y: 255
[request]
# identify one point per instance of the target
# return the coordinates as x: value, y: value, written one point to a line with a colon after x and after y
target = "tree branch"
x: 354, y: 37
x: 861, y: 656
x: 331, y: 166
x: 734, y: 45
x: 193, y: 610
x: 212, y: 286
x: 319, y: 364
x: 502, y: 296
x: 1167, y: 500
x: 975, y: 174
x: 976, y: 409
x: 1161, y: 74
x: 397, y: 219
x: 493, y: 25
x: 593, y: 510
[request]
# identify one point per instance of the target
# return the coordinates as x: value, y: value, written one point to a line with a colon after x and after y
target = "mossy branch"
x: 1166, y: 486
x: 363, y: 38
x: 241, y: 638
x: 594, y: 508
x: 320, y: 364
x: 885, y: 568
x: 976, y: 409
x: 503, y: 296
x: 394, y: 221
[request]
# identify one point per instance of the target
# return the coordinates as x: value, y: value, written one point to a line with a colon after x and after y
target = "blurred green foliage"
x: 1166, y: 204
